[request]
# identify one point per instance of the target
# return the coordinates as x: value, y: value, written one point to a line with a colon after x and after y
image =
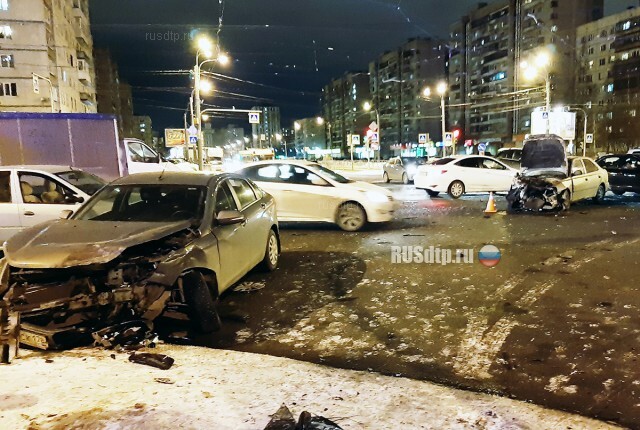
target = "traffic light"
x: 456, y: 133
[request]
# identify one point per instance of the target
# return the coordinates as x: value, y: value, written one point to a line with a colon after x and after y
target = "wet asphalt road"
x: 555, y: 322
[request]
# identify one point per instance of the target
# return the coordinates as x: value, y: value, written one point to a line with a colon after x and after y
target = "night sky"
x: 283, y: 51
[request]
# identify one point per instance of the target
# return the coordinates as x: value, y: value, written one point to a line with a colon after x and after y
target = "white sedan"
x: 306, y: 191
x: 30, y: 195
x: 464, y: 174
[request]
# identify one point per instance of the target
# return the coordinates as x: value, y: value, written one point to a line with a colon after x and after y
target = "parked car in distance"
x: 30, y: 195
x: 142, y: 242
x: 634, y: 151
x: 624, y: 172
x: 402, y: 168
x: 462, y: 174
x: 510, y: 156
x: 307, y: 191
x: 549, y: 180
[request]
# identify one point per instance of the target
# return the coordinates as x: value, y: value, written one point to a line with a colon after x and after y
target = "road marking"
x: 483, y: 341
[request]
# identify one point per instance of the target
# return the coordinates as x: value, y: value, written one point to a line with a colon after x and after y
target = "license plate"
x: 34, y: 340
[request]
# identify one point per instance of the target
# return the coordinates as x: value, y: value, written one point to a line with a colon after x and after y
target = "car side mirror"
x: 65, y: 214
x: 577, y: 173
x: 230, y: 217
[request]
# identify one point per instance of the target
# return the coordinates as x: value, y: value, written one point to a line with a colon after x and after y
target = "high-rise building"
x: 144, y: 129
x: 266, y: 134
x: 491, y: 97
x: 342, y: 109
x: 397, y: 81
x: 50, y: 39
x: 608, y: 79
x: 113, y: 96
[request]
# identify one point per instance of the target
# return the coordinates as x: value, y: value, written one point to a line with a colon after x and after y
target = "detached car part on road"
x: 142, y: 243
x: 549, y: 180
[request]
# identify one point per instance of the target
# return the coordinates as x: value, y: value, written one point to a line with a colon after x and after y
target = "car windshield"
x: 414, y: 160
x: 84, y: 181
x: 145, y: 203
x: 330, y: 174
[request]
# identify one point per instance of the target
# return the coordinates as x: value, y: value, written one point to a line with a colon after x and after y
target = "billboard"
x: 173, y: 137
x: 561, y: 123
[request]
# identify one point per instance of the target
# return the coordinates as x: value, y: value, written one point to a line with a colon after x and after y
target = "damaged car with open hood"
x: 142, y: 244
x: 549, y: 180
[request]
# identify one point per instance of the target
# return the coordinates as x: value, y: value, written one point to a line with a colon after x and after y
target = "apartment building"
x: 491, y: 98
x: 608, y: 79
x: 397, y: 80
x: 343, y: 109
x: 268, y: 132
x: 52, y: 40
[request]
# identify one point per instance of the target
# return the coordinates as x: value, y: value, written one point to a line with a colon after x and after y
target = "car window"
x: 38, y: 188
x: 577, y: 167
x: 82, y: 180
x: 224, y: 199
x: 629, y: 163
x: 300, y: 176
x: 243, y: 192
x: 149, y: 155
x: 264, y: 173
x: 5, y: 187
x: 590, y: 166
x: 469, y: 162
x: 491, y: 164
x: 137, y: 154
x: 609, y: 161
x: 443, y: 161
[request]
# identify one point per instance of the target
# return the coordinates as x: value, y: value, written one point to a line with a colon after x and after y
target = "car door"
x: 267, y: 177
x: 42, y: 197
x: 235, y: 244
x: 613, y: 165
x: 495, y: 176
x: 10, y: 221
x: 629, y: 172
x: 141, y: 158
x: 594, y: 177
x: 469, y: 172
x: 306, y: 195
x: 579, y: 180
x: 255, y: 227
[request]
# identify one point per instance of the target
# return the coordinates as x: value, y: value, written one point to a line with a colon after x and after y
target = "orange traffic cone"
x: 491, y: 205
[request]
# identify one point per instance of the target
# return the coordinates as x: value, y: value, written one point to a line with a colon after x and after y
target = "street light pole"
x: 198, y: 119
x: 379, y: 134
x: 444, y: 128
x: 584, y: 130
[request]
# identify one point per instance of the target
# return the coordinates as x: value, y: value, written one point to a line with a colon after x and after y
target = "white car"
x: 306, y: 191
x: 634, y: 151
x: 30, y: 195
x: 464, y: 174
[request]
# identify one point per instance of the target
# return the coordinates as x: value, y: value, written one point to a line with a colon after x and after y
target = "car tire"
x: 202, y: 307
x: 433, y: 193
x: 456, y: 189
x: 599, y: 197
x: 385, y: 177
x: 271, y: 254
x: 351, y: 217
x: 405, y: 179
x: 566, y: 205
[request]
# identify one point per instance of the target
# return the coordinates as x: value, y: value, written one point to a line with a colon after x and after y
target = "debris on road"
x: 160, y: 361
x: 283, y: 420
x: 127, y: 335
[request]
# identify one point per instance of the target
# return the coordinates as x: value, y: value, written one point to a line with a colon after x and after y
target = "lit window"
x: 626, y: 25
x: 5, y: 32
x: 610, y: 88
x: 6, y: 61
x: 4, y: 4
x: 625, y: 56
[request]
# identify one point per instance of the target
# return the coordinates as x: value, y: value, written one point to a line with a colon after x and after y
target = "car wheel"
x: 271, y: 253
x: 433, y: 193
x: 351, y: 217
x: 456, y: 189
x: 385, y: 177
x: 202, y: 307
x: 599, y: 197
x: 566, y: 203
x: 405, y: 179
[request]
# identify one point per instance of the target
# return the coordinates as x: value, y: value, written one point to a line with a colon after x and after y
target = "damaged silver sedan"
x: 141, y: 244
x: 551, y: 181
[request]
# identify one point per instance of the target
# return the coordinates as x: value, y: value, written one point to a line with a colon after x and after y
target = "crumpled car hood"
x: 62, y: 244
x: 542, y: 154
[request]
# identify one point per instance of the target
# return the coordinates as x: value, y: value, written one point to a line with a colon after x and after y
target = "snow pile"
x: 96, y: 389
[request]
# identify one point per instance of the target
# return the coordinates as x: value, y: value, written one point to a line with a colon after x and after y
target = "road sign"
x: 254, y: 117
x: 482, y: 147
x: 36, y: 84
x: 545, y: 115
x: 373, y: 126
x: 422, y: 138
x: 355, y: 139
x: 589, y: 138
x: 374, y: 136
x: 448, y: 138
x: 193, y: 131
x: 193, y: 140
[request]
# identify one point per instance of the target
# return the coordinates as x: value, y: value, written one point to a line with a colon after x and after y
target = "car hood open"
x: 62, y: 244
x: 543, y: 154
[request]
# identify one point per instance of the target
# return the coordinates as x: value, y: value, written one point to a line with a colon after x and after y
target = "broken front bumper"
x: 537, y: 195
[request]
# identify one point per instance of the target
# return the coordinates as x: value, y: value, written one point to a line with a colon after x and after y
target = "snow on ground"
x: 207, y: 388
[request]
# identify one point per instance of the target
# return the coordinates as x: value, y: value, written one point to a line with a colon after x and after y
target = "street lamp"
x: 205, y: 47
x: 441, y: 89
x: 541, y: 63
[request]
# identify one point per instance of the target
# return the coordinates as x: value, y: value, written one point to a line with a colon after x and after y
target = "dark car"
x: 510, y: 156
x: 624, y: 172
x: 140, y: 244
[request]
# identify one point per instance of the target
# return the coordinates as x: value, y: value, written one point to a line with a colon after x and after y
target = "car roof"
x: 293, y: 162
x: 43, y: 167
x: 173, y: 178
